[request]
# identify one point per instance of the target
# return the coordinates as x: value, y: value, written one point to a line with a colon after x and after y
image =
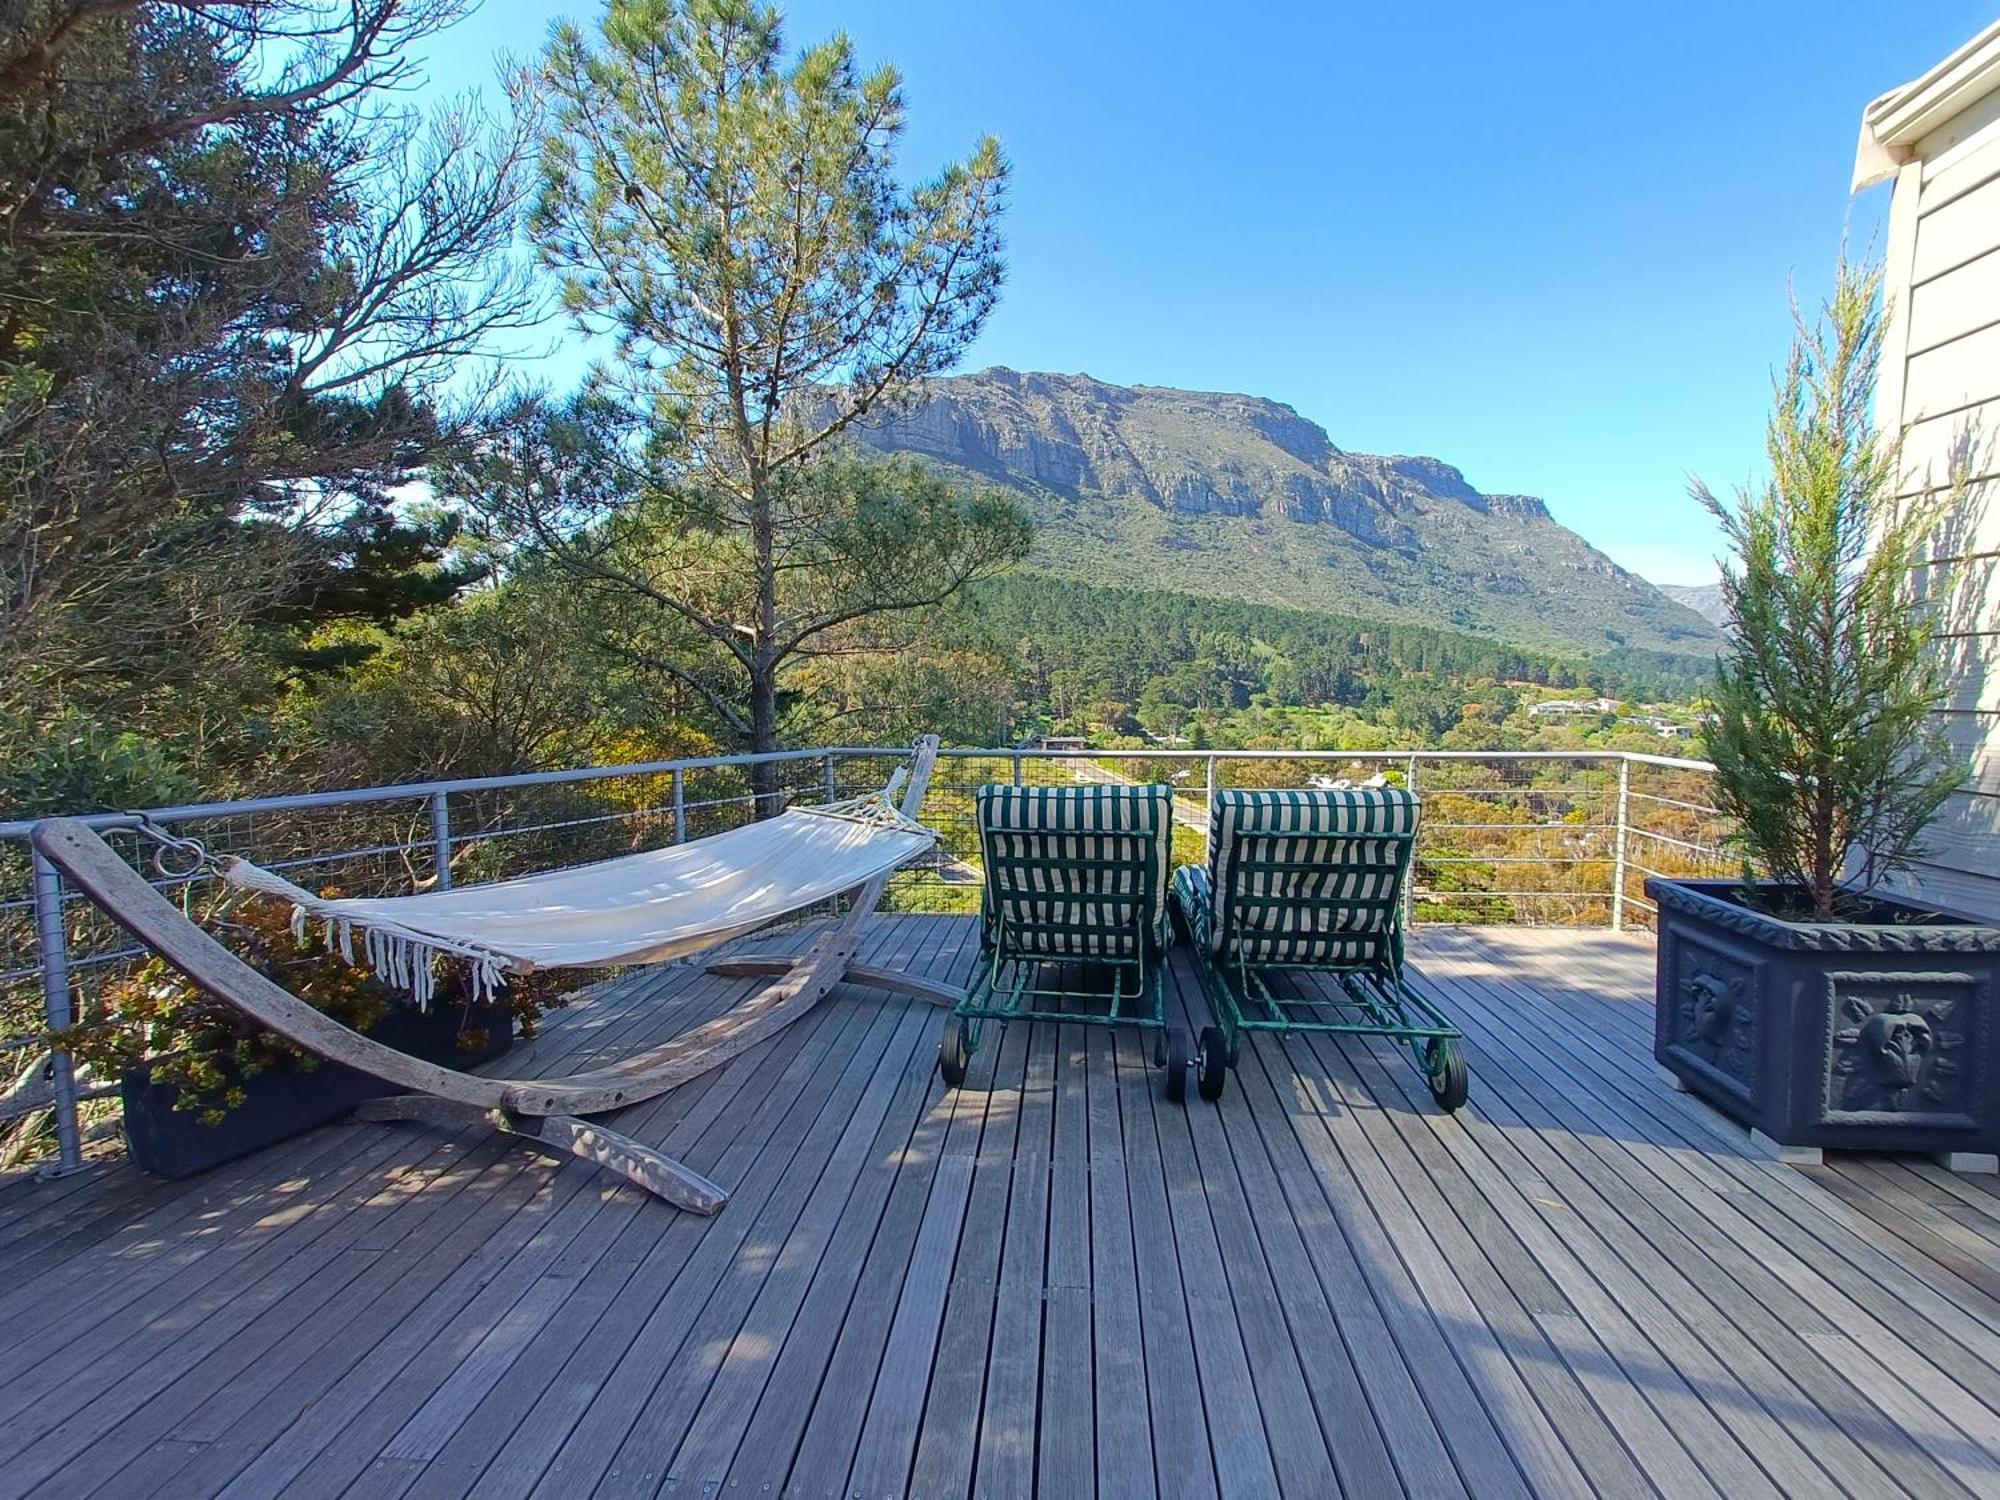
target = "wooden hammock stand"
x: 542, y: 1111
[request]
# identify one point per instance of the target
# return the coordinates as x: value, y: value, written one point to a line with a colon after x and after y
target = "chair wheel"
x: 1177, y: 1065
x: 1215, y: 1059
x: 1449, y: 1079
x: 954, y: 1055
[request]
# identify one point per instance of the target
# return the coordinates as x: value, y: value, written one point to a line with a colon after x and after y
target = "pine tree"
x: 734, y: 223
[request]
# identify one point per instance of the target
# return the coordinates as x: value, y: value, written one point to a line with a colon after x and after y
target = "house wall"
x: 1940, y: 384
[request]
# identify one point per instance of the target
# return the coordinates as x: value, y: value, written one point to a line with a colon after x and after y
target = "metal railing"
x: 1543, y: 837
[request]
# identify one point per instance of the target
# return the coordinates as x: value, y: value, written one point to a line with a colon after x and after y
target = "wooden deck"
x: 1585, y: 1283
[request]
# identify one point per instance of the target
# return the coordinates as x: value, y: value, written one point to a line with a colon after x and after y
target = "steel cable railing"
x: 1534, y: 837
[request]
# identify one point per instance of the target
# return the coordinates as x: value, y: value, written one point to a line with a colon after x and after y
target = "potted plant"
x: 1806, y: 999
x: 202, y: 1085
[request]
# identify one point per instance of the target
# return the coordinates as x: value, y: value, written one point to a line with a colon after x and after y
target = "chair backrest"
x: 1310, y: 877
x: 1075, y: 871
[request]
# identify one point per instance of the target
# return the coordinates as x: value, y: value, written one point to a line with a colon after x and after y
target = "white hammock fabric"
x: 634, y: 909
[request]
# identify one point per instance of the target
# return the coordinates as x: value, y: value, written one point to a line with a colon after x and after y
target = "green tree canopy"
x: 236, y: 276
x: 735, y: 223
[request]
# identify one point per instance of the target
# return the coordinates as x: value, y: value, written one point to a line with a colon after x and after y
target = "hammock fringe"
x: 683, y: 900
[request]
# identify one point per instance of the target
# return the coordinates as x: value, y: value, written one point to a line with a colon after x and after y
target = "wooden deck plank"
x: 610, y: 1406
x: 488, y: 1427
x: 1230, y: 1288
x: 1183, y: 1455
x: 1066, y: 1446
x: 266, y: 1396
x: 948, y: 1437
x: 1512, y: 1291
x: 1004, y: 1459
x: 787, y: 1243
x: 1788, y: 1378
x: 1658, y: 1190
x: 267, y: 1301
x: 326, y: 1422
x: 750, y: 1426
x: 1877, y: 1289
x: 1620, y: 1338
x: 874, y: 1444
x: 1582, y: 1283
x: 1123, y: 1444
x: 704, y: 1417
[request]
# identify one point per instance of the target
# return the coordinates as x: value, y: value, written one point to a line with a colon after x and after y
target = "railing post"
x: 1618, y: 844
x: 680, y: 808
x: 832, y: 785
x: 1020, y: 776
x: 1410, y: 881
x: 54, y: 944
x: 1208, y: 811
x: 441, y: 837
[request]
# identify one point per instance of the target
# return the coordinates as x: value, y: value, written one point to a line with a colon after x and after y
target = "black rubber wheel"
x: 1177, y: 1065
x: 954, y: 1056
x: 1449, y: 1080
x: 1214, y: 1058
x: 1160, y: 1048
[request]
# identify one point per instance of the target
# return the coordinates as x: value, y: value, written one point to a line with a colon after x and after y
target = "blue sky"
x: 1548, y: 243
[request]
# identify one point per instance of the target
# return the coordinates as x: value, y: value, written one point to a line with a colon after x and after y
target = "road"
x: 1188, y: 817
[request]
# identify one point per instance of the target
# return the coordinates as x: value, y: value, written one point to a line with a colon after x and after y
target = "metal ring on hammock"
x: 192, y: 850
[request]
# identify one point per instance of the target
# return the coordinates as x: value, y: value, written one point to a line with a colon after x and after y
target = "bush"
x: 154, y: 1016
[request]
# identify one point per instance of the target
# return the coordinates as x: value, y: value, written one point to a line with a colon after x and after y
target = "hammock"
x: 627, y: 910
x: 634, y: 909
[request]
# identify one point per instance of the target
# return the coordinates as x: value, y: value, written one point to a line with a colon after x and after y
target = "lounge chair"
x: 1076, y: 879
x: 1310, y: 883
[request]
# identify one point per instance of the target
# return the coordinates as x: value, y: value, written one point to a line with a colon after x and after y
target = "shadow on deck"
x: 1064, y: 1285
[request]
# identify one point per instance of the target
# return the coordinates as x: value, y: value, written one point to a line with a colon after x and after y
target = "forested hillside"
x: 1099, y: 655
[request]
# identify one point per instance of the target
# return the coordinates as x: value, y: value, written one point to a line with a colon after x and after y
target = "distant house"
x: 1573, y: 708
x: 1938, y: 138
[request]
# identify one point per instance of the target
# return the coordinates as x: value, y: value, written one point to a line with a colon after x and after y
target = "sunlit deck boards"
x: 1584, y: 1283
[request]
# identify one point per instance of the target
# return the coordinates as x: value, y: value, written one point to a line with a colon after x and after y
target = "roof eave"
x: 1892, y: 125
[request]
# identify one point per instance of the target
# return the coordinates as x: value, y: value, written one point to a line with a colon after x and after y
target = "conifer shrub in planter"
x: 1805, y: 999
x: 202, y: 1085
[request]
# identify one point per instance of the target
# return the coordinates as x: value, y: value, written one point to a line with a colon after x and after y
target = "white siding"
x: 1941, y: 386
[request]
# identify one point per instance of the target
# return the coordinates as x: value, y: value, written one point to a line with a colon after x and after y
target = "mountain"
x: 1240, y: 497
x: 1705, y: 599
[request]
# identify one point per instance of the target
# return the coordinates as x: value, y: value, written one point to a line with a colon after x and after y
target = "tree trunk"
x: 1826, y: 857
x: 764, y: 779
x: 764, y: 650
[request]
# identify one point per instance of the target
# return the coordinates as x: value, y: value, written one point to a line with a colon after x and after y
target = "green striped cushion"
x: 1323, y: 843
x: 1037, y: 907
x: 1196, y: 898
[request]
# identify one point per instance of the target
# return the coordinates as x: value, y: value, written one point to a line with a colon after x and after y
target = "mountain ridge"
x: 1705, y: 599
x: 1239, y: 496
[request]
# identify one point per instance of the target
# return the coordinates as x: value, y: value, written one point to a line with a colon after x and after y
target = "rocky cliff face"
x: 1705, y: 599
x: 1241, y: 496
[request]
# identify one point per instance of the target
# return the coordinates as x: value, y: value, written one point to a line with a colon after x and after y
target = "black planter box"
x: 1879, y: 1036
x: 284, y: 1102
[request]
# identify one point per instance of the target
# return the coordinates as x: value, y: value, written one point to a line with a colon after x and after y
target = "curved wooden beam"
x: 755, y: 966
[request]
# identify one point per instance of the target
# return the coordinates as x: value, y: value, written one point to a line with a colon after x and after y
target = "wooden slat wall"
x: 1941, y: 387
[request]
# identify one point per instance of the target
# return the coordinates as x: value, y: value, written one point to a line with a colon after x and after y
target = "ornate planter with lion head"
x: 1879, y: 1035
